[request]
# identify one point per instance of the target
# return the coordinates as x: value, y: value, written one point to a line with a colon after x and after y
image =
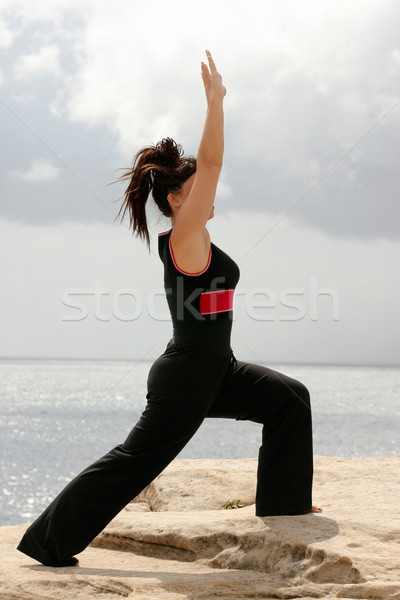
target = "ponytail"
x: 159, y: 169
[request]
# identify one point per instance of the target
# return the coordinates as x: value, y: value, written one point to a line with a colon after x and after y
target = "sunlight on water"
x: 57, y: 417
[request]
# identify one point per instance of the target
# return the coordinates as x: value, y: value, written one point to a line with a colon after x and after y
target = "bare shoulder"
x: 191, y: 251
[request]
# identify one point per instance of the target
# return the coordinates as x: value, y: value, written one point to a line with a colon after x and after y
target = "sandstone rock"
x: 200, y: 484
x: 174, y: 542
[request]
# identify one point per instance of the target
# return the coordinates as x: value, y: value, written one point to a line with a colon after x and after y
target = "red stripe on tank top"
x: 215, y: 302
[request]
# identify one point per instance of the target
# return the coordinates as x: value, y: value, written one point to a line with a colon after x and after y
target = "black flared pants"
x: 186, y: 384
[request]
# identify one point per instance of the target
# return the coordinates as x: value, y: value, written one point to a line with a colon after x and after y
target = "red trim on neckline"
x: 185, y: 272
x: 164, y: 232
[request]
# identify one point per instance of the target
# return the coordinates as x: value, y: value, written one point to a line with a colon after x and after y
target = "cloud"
x: 307, y: 84
x: 43, y: 62
x: 41, y: 170
x: 7, y: 34
x: 25, y: 14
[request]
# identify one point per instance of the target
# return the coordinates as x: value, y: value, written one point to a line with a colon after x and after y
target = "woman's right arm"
x: 195, y: 210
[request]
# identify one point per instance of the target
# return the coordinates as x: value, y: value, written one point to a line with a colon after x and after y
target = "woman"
x: 197, y: 375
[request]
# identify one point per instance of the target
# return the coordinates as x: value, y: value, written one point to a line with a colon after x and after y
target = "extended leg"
x: 181, y: 386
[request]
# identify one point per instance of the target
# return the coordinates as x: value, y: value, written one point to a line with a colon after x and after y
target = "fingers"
x: 211, y: 62
x: 213, y: 80
x: 205, y: 73
x: 204, y: 70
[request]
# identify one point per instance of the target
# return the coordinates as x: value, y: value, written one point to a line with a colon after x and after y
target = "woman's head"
x: 161, y: 170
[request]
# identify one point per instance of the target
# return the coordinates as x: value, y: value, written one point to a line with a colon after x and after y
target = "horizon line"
x: 273, y: 362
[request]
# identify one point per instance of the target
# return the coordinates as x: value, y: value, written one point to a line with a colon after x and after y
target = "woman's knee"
x: 301, y: 392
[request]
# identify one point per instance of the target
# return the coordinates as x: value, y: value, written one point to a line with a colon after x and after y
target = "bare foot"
x: 314, y: 509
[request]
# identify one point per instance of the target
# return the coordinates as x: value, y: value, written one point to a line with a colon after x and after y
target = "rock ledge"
x: 174, y: 541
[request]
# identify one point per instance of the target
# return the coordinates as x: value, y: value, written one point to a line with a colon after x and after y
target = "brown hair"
x: 159, y: 169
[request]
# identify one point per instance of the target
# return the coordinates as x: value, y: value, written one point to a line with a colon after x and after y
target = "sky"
x: 308, y: 199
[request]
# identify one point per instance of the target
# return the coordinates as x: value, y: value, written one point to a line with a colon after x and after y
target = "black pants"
x: 185, y: 385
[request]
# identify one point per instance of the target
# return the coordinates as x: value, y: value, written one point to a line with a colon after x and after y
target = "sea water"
x: 59, y: 416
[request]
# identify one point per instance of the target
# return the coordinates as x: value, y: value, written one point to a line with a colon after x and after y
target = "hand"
x: 212, y: 79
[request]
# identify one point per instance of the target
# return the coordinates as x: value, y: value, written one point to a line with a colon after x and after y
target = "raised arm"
x: 211, y: 147
x: 196, y: 208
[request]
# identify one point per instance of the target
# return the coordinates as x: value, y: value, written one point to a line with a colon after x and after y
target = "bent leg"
x: 285, y: 461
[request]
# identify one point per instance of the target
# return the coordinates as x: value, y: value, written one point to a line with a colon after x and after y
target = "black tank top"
x: 201, y: 304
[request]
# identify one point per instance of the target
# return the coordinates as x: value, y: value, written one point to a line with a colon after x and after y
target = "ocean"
x: 58, y: 416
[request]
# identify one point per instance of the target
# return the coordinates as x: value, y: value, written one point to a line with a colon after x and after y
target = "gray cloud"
x: 303, y: 87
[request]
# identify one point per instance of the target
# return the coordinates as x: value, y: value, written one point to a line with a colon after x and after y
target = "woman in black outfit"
x: 197, y: 375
